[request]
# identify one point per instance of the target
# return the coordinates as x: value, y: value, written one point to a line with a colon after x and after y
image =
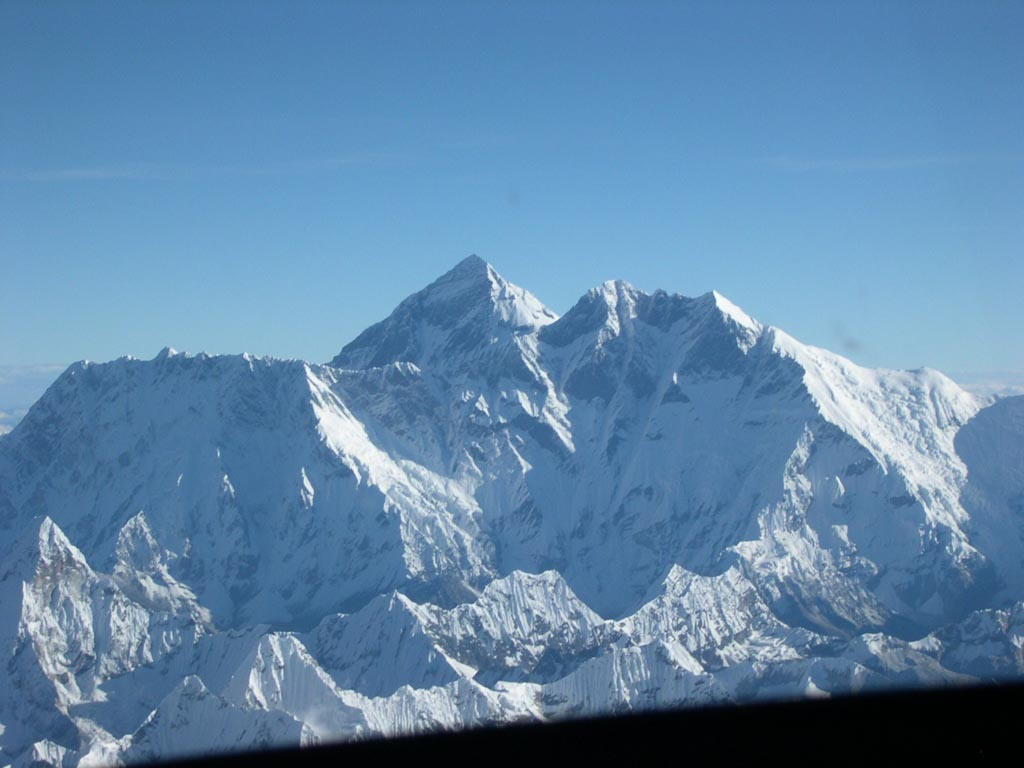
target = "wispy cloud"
x: 20, y: 387
x: 893, y: 162
x: 991, y: 383
x: 97, y: 173
x: 172, y: 172
x: 9, y: 419
x: 967, y: 229
x: 861, y: 163
x: 18, y: 375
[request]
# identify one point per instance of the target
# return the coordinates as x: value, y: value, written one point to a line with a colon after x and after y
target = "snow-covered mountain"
x: 482, y: 512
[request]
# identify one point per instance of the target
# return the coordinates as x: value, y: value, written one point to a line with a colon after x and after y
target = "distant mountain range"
x: 482, y: 512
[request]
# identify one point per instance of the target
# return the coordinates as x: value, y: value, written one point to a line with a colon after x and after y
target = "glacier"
x: 481, y: 512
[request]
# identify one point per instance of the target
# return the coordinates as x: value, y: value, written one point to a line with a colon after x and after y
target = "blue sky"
x: 273, y: 178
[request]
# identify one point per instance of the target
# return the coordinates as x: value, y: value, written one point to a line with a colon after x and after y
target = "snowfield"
x: 480, y: 512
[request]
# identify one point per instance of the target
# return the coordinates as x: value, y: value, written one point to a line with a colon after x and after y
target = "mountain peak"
x: 472, y: 275
x: 471, y: 265
x: 468, y: 307
x: 616, y: 293
x: 42, y: 541
x: 734, y: 313
x: 615, y: 304
x: 618, y: 298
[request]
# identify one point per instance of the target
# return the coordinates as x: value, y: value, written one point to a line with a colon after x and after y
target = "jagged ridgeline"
x: 482, y: 512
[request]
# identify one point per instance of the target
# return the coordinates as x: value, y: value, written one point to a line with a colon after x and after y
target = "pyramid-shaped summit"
x: 468, y: 308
